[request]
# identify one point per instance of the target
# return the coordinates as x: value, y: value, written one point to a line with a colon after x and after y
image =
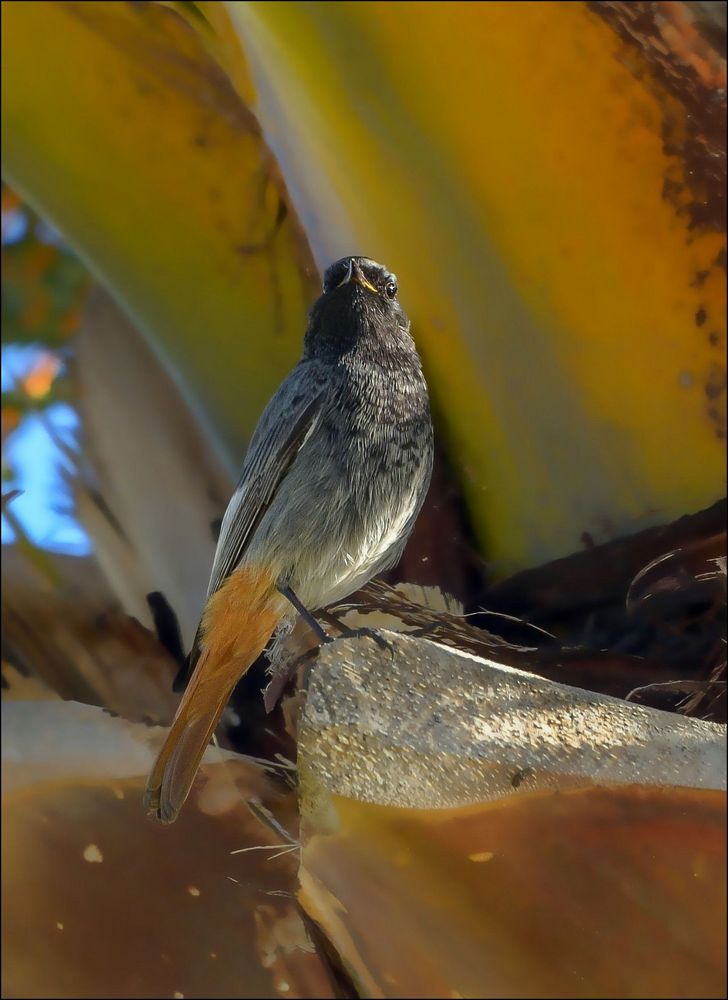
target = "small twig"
x: 676, y: 687
x: 266, y: 816
x: 10, y: 496
x: 258, y: 847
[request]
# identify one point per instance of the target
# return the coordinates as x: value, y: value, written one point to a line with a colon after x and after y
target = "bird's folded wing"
x: 282, y: 429
x: 286, y: 422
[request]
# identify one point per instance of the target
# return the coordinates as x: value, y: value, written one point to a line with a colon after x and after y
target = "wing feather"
x: 281, y: 432
x: 276, y: 443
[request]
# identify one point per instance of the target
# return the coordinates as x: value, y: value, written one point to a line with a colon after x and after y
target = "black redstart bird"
x: 335, y: 475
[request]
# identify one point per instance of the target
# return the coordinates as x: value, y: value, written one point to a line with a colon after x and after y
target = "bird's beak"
x: 354, y: 274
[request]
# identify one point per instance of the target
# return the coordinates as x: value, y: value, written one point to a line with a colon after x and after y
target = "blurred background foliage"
x: 43, y: 282
x: 548, y: 182
x: 44, y: 286
x: 514, y: 225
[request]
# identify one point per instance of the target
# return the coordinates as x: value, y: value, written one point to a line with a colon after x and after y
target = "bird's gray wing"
x: 282, y: 429
x: 286, y: 421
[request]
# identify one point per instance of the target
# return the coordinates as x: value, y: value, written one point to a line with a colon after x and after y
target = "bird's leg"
x: 353, y: 633
x: 313, y: 623
x: 305, y: 614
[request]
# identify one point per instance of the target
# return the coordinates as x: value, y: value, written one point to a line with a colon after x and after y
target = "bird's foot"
x: 367, y: 633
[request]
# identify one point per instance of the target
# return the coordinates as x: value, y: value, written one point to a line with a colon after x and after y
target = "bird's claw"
x: 371, y: 633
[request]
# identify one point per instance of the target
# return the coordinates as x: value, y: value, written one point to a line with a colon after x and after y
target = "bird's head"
x: 359, y: 302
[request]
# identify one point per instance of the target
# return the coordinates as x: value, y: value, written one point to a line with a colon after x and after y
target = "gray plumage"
x: 340, y: 462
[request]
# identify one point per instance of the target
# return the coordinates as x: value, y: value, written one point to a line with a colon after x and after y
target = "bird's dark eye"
x: 391, y: 288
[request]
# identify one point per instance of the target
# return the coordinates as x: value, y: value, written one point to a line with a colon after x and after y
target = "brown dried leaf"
x: 593, y: 893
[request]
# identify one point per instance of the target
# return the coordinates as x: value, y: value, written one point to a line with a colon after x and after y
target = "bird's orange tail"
x: 236, y: 626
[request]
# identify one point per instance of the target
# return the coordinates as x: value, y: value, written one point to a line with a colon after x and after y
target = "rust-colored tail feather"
x: 237, y: 624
